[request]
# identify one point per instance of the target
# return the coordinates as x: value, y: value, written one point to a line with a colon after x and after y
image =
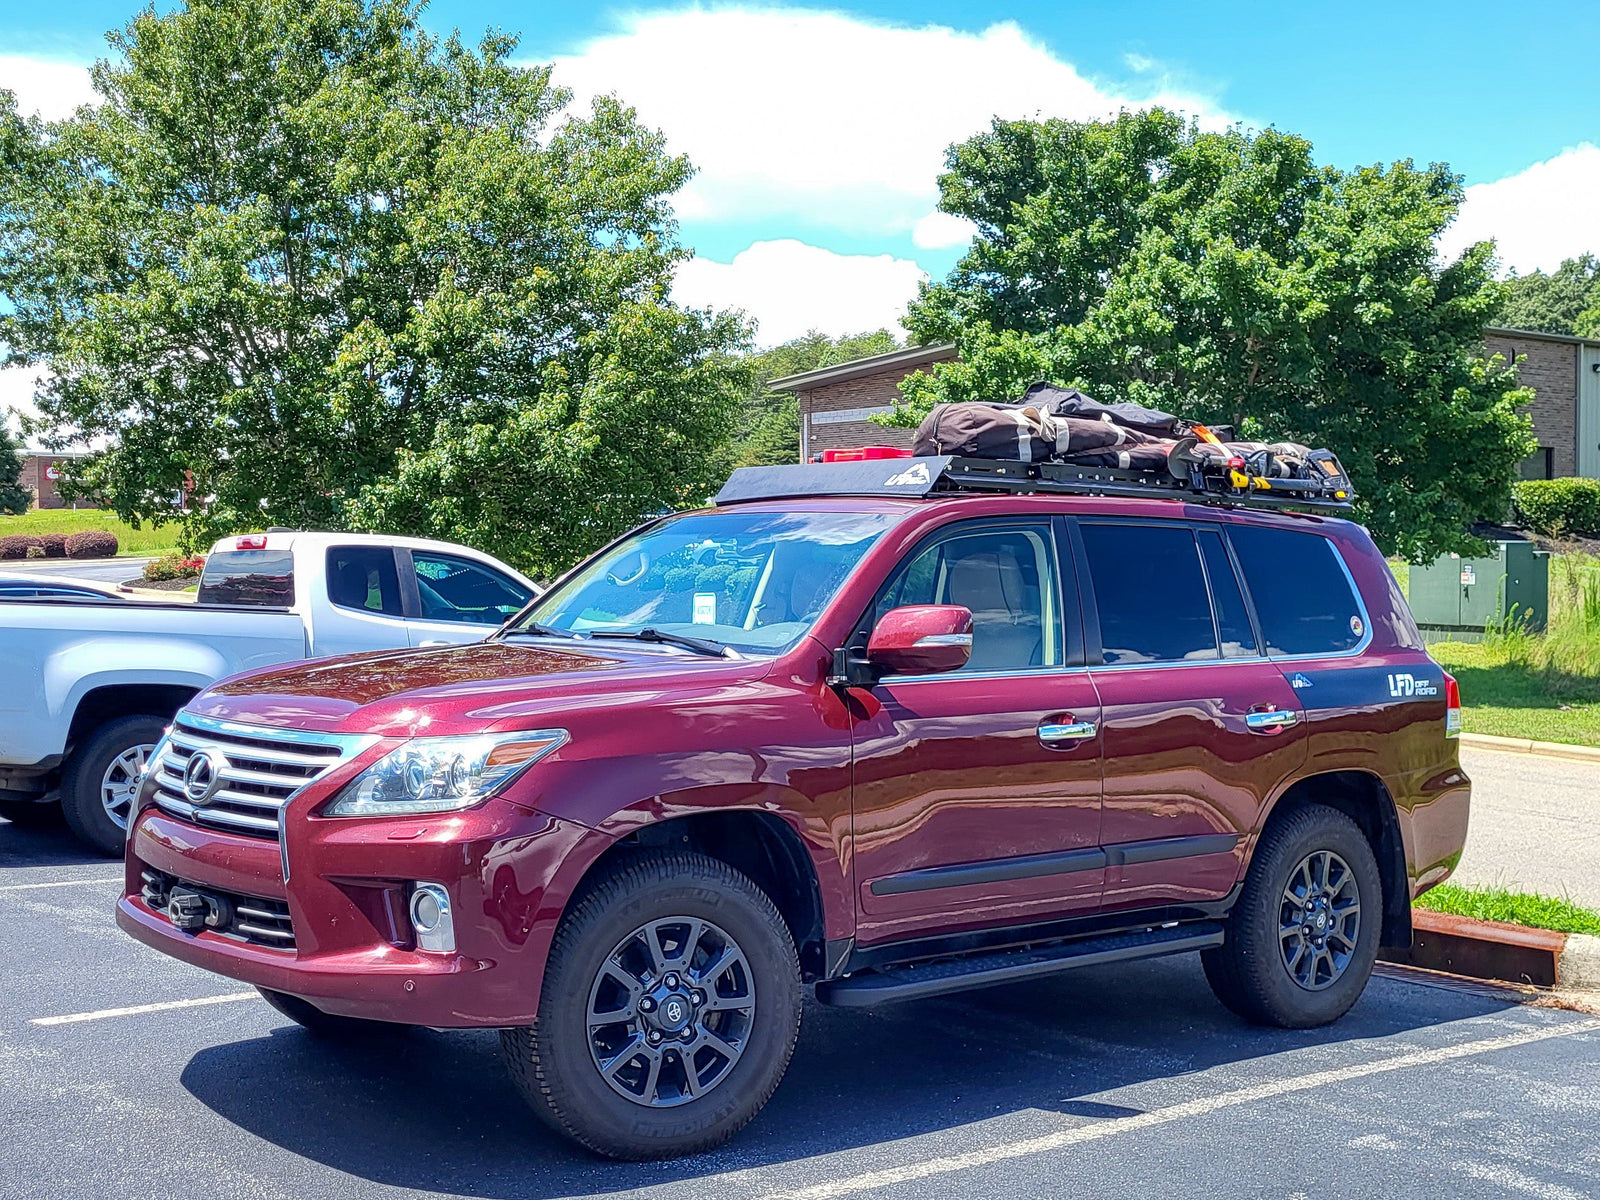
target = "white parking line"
x: 139, y: 1009
x: 1113, y: 1126
x: 28, y: 887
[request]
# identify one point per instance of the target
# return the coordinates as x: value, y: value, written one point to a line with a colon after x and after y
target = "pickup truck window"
x: 756, y: 581
x: 259, y: 578
x: 457, y: 589
x: 364, y: 578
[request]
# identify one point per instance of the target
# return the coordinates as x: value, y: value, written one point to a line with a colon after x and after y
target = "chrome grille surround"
x: 255, y: 770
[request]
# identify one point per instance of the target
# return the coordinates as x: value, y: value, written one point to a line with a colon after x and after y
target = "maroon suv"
x: 851, y: 730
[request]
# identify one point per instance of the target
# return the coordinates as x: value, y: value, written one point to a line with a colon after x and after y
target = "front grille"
x: 250, y: 773
x: 259, y: 920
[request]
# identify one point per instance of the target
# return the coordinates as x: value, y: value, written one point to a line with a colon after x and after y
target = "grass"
x: 1540, y: 686
x: 151, y: 539
x: 1514, y: 908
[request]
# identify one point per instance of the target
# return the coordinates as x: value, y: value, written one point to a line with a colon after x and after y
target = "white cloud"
x: 1536, y: 217
x: 16, y: 393
x: 941, y: 231
x: 791, y: 288
x: 792, y: 113
x: 50, y: 88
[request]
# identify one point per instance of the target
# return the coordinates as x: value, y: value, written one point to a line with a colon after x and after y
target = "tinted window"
x: 263, y: 578
x: 1233, y: 621
x: 1150, y: 593
x: 1006, y: 577
x: 364, y: 577
x: 457, y: 589
x: 1302, y: 596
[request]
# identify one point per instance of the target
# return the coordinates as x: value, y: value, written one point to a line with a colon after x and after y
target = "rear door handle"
x: 1271, y: 719
x: 1055, y: 733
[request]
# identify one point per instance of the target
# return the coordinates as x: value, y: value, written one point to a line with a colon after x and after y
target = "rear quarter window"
x: 258, y: 578
x: 1303, y: 598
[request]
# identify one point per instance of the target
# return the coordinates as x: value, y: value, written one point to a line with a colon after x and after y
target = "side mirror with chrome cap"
x: 921, y: 639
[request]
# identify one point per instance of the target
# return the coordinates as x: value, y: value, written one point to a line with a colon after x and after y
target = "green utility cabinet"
x: 1455, y: 597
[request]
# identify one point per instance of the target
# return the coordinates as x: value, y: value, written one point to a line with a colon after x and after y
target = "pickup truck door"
x: 976, y: 797
x: 1199, y: 726
x: 450, y: 598
x: 362, y: 606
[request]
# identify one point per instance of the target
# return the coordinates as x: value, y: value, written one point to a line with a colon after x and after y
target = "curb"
x: 1505, y: 953
x: 1483, y: 741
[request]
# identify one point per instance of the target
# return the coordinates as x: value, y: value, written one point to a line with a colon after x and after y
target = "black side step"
x: 914, y: 981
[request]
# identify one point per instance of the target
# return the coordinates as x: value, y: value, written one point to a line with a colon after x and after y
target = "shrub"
x: 1559, y: 507
x: 35, y: 551
x: 92, y: 543
x: 16, y: 545
x: 173, y: 566
x: 55, y: 544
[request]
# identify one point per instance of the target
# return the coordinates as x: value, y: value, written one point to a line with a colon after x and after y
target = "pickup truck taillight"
x: 1452, y: 706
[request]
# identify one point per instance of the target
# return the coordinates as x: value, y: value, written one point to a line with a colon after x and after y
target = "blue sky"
x: 819, y: 130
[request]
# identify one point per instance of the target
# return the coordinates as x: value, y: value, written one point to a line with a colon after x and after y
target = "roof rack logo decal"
x: 916, y: 476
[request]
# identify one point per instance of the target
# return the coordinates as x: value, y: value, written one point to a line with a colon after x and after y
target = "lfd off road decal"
x: 1365, y: 687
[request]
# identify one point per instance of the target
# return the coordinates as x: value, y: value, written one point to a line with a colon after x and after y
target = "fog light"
x: 430, y: 918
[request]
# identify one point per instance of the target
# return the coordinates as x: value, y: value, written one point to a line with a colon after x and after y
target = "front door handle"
x: 1055, y: 733
x: 1272, y: 719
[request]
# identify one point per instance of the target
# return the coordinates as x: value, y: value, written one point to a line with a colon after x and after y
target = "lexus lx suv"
x: 854, y: 730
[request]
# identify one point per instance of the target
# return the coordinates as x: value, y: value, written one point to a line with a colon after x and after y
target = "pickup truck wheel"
x: 1303, y: 935
x: 670, y: 1009
x: 313, y: 1020
x: 102, y: 776
x: 31, y: 814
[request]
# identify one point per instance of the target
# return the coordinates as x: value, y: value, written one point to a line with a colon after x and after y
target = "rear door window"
x: 1233, y: 618
x: 364, y: 578
x: 258, y: 578
x: 1303, y: 598
x: 1150, y: 593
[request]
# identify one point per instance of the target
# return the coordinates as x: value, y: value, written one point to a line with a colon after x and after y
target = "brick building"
x: 39, y: 474
x: 836, y: 402
x: 1565, y: 375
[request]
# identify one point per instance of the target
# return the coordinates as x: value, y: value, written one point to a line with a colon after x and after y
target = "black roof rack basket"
x: 1203, y: 482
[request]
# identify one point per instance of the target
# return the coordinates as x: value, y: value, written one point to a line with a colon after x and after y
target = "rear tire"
x: 98, y: 778
x: 1298, y: 955
x: 325, y: 1025
x: 31, y: 814
x: 719, y: 995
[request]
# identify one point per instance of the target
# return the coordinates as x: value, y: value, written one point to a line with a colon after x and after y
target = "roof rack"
x: 949, y: 473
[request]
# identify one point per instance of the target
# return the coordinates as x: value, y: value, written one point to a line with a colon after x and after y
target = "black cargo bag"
x: 985, y: 431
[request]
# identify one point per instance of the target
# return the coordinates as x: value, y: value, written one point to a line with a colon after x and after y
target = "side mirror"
x: 921, y: 639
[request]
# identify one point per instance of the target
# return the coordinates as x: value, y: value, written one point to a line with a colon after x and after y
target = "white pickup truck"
x: 86, y: 686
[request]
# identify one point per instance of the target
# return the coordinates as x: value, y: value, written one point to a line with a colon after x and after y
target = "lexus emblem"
x: 200, y: 777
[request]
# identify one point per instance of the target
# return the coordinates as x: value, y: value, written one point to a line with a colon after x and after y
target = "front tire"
x: 1303, y: 935
x: 102, y: 778
x: 669, y: 1013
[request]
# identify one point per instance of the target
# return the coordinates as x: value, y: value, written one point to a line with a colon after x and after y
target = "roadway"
x: 125, y: 1073
x: 1535, y: 824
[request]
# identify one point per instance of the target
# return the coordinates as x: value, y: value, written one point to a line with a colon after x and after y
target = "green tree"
x: 1565, y: 301
x: 350, y: 273
x: 770, y: 430
x: 1226, y: 276
x: 14, y: 498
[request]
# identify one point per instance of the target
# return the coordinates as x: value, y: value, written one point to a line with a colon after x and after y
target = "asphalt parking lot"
x: 1112, y: 1082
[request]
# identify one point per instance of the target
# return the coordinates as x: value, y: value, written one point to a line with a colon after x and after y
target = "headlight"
x: 442, y: 774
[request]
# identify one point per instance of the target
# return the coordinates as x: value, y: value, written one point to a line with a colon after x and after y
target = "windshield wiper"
x: 533, y: 627
x: 649, y: 634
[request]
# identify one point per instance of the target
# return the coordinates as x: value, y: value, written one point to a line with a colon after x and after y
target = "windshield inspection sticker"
x: 705, y: 608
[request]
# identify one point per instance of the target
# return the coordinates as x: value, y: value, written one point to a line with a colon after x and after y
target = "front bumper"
x: 508, y: 872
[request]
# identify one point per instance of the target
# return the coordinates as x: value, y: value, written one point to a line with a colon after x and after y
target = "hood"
x: 457, y: 689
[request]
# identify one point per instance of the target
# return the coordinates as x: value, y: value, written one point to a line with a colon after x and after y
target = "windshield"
x: 755, y: 581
